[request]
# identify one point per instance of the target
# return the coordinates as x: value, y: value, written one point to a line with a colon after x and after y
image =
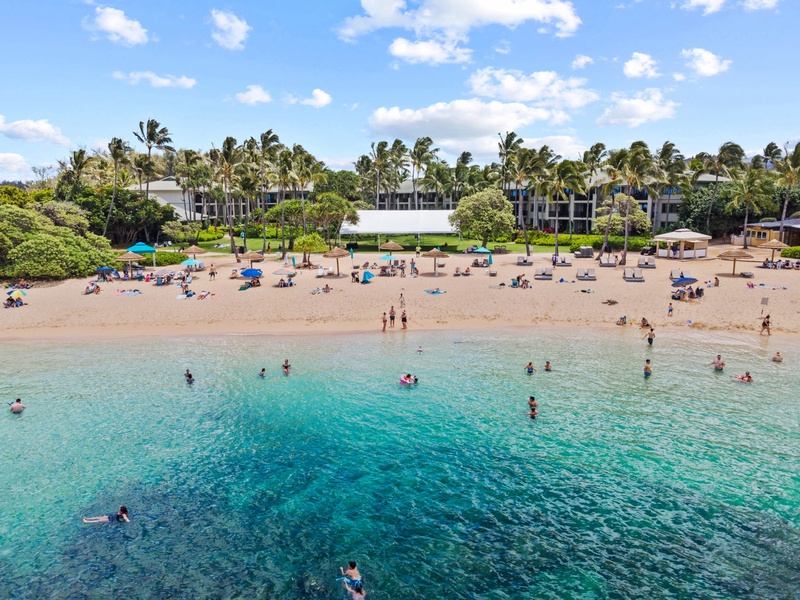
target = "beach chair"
x: 638, y: 275
x: 522, y: 261
x: 674, y: 274
x: 687, y: 274
x: 651, y: 262
x: 321, y: 271
x: 544, y: 273
x: 492, y: 273
x: 581, y: 275
x: 457, y: 272
x: 633, y: 275
x: 565, y: 260
x: 608, y: 262
x: 590, y: 274
x: 642, y: 263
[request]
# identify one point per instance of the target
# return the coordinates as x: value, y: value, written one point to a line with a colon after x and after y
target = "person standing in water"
x: 651, y: 336
x: 16, y: 407
x: 648, y: 370
x: 286, y: 366
x: 718, y: 363
x: 263, y: 372
x: 776, y: 358
x: 188, y: 376
x: 530, y: 369
x: 392, y: 315
x: 384, y: 321
x: 547, y: 366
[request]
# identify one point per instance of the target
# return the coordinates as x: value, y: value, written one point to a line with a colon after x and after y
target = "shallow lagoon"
x: 686, y: 485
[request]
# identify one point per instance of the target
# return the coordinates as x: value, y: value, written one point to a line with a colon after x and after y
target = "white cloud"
x: 566, y: 145
x: 643, y: 107
x: 545, y: 88
x: 255, y: 94
x: 230, y: 31
x: 13, y: 166
x: 679, y: 77
x: 503, y: 47
x: 760, y: 4
x: 117, y: 27
x: 445, y: 23
x: 318, y: 99
x: 708, y: 6
x: 33, y: 131
x: 432, y: 52
x: 156, y: 81
x: 641, y: 65
x: 705, y: 63
x: 581, y: 61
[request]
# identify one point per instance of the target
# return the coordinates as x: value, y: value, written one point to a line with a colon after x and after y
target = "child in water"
x: 122, y: 515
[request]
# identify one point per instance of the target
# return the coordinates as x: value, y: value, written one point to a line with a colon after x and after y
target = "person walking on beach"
x: 16, y: 407
x: 402, y: 301
x: 121, y: 516
x: 212, y: 272
x: 765, y: 324
x: 392, y: 315
x: 404, y: 319
x: 651, y: 336
x: 669, y: 310
x: 718, y: 363
x: 384, y: 321
x: 648, y: 370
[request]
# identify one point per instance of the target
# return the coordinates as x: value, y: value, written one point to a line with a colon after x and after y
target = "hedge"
x: 617, y: 242
x: 793, y: 252
x: 163, y: 259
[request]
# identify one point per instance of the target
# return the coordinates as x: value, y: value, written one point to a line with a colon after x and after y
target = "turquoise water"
x: 683, y: 486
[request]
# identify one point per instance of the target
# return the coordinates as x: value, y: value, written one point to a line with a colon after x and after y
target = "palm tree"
x: 520, y: 170
x: 613, y: 168
x: 420, y: 156
x: 187, y: 161
x: 729, y: 156
x: 380, y: 165
x: 153, y: 135
x: 118, y: 150
x: 227, y: 160
x: 639, y: 172
x: 286, y: 177
x: 771, y: 154
x: 566, y: 177
x: 752, y: 191
x: 72, y: 171
x: 270, y: 144
x: 671, y: 172
x: 788, y: 169
x: 592, y: 160
x: 507, y: 147
x: 365, y: 169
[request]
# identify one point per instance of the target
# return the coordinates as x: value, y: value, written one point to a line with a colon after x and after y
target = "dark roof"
x: 793, y: 223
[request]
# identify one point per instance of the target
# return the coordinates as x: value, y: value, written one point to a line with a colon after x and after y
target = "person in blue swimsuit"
x: 352, y: 580
x: 119, y: 517
x: 529, y: 368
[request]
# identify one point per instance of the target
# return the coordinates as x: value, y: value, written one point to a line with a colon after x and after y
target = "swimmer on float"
x: 408, y: 379
x: 530, y: 369
x: 746, y: 378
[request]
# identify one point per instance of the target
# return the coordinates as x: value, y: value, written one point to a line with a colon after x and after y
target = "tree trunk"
x: 524, y: 224
x: 114, y: 197
x: 711, y: 205
x: 263, y: 222
x: 744, y: 232
x: 485, y: 240
x: 283, y: 225
x: 604, y: 247
x: 556, y: 227
x: 623, y: 261
x: 783, y: 212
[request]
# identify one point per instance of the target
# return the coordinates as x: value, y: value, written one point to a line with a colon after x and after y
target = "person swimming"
x: 529, y: 368
x: 121, y: 516
x: 408, y: 379
x: 352, y: 579
x: 263, y: 372
x: 419, y: 350
x: 746, y: 378
x: 16, y: 407
x: 286, y: 366
x: 547, y: 366
x: 718, y: 363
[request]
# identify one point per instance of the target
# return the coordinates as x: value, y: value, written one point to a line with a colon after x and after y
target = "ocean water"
x: 683, y: 486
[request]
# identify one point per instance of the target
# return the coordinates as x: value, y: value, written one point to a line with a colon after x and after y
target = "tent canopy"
x: 682, y: 235
x: 141, y: 248
x: 394, y: 222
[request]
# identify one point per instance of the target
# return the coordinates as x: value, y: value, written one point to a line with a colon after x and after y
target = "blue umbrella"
x: 251, y: 273
x: 366, y: 276
x: 684, y: 281
x: 388, y: 257
x: 482, y: 250
x: 490, y: 259
x: 294, y: 264
x: 142, y: 248
x: 190, y: 262
x: 105, y: 270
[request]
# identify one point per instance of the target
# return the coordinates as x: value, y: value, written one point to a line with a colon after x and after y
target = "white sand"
x: 61, y: 311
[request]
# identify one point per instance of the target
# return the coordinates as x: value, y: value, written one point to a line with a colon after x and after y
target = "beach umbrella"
x: 284, y: 272
x: 435, y: 254
x: 195, y: 250
x: 294, y: 264
x: 190, y: 262
x: 252, y: 256
x: 105, y: 270
x: 130, y: 257
x: 366, y: 276
x: 338, y: 253
x: 482, y: 250
x: 774, y: 245
x: 142, y: 248
x: 734, y: 255
x: 390, y: 246
x: 388, y: 257
x: 16, y: 294
x: 251, y: 273
x: 684, y: 281
x: 163, y: 272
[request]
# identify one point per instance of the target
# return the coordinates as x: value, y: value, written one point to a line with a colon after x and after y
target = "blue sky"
x: 336, y: 75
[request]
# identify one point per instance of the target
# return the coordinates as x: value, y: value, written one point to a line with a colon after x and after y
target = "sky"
x: 336, y: 75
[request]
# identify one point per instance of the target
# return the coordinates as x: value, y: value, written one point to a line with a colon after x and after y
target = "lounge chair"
x: 631, y: 274
x: 647, y: 262
x: 584, y: 252
x: 544, y: 273
x: 608, y: 262
x: 586, y: 275
x: 590, y: 274
x: 674, y: 274
x: 321, y: 271
x: 564, y: 260
x: 686, y: 274
x: 522, y: 261
x: 642, y: 263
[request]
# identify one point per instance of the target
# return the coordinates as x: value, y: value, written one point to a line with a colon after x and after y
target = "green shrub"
x: 163, y: 259
x: 209, y: 235
x: 793, y: 252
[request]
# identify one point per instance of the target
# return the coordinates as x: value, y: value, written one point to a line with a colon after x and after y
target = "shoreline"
x: 60, y: 311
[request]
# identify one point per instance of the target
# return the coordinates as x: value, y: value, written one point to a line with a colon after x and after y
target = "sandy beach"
x: 61, y: 311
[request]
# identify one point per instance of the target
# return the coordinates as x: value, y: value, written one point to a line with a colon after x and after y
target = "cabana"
x: 689, y: 244
x: 396, y: 222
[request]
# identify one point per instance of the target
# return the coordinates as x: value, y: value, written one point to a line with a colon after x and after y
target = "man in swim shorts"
x: 648, y: 370
x: 392, y: 315
x: 16, y: 406
x: 651, y: 336
x: 718, y: 363
x: 352, y: 578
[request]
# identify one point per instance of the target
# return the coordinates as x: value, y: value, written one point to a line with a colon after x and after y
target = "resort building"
x: 761, y: 233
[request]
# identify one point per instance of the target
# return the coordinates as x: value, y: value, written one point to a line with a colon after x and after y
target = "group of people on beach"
x: 393, y: 315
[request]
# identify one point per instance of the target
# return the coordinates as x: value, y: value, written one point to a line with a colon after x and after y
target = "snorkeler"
x: 122, y: 515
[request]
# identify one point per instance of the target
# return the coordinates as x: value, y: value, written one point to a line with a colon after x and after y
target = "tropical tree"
x: 270, y: 146
x: 670, y: 166
x: 770, y: 155
x: 751, y: 191
x: 484, y: 214
x: 566, y: 178
x: 520, y: 170
x: 508, y: 146
x: 329, y: 212
x: 788, y: 169
x: 72, y: 173
x: 640, y: 173
x: 153, y: 135
x: 226, y: 161
x: 380, y: 157
x: 286, y: 177
x: 419, y: 157
x: 729, y: 156
x: 592, y: 160
x: 118, y: 150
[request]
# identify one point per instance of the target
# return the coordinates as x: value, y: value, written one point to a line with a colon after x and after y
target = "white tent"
x: 395, y: 222
x: 688, y: 243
